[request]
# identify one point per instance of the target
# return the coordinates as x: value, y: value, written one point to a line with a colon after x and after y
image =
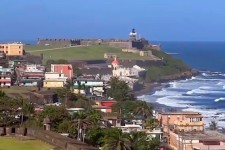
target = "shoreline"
x: 152, y: 87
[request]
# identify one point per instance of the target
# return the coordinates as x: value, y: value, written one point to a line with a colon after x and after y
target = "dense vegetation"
x: 171, y: 66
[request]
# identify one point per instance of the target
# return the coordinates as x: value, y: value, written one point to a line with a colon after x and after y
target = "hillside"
x: 80, y: 52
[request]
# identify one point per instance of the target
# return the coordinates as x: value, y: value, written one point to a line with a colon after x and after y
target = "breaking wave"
x: 204, y: 93
x: 219, y: 99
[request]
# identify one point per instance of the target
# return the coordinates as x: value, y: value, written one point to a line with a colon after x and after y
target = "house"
x: 5, y: 76
x: 104, y: 105
x: 66, y: 69
x: 54, y: 80
x: 30, y: 75
x: 12, y: 49
x: 86, y: 86
x: 16, y: 63
x: 74, y: 110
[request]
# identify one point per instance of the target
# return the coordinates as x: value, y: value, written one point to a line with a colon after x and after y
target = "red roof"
x: 115, y: 62
x: 66, y: 69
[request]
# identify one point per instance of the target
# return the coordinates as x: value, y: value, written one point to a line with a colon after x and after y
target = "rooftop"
x: 206, y: 136
x: 181, y: 113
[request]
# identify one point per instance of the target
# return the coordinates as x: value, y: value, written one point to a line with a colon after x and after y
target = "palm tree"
x: 144, y: 109
x: 117, y: 141
x: 151, y: 123
x: 213, y: 125
x: 138, y: 140
x: 82, y: 123
x: 27, y: 108
x: 94, y: 117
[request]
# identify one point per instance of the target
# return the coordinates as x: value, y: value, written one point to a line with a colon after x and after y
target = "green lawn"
x: 81, y: 53
x: 7, y: 143
x: 37, y: 47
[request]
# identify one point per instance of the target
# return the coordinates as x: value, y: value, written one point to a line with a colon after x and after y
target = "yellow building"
x: 12, y: 49
x: 53, y: 83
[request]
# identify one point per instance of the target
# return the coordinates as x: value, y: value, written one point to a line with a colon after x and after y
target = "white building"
x: 129, y: 75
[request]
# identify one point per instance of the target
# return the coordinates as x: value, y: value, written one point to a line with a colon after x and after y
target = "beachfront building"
x: 182, y: 121
x: 175, y: 123
x: 12, y: 49
x: 66, y: 69
x: 54, y: 80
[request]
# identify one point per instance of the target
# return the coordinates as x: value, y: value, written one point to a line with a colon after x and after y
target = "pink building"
x: 66, y: 69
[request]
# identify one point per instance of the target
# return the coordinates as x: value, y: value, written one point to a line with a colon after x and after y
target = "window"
x: 46, y: 82
x: 6, y: 52
x: 19, y: 52
x: 59, y: 75
x: 19, y: 47
x: 6, y: 47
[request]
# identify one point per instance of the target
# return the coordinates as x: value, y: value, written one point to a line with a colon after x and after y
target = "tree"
x: 9, y: 111
x: 68, y: 127
x: 151, y: 123
x: 144, y: 109
x: 95, y: 136
x: 213, y: 125
x: 94, y: 117
x: 116, y: 140
x: 138, y: 140
x: 153, y: 144
x: 82, y: 123
x: 119, y: 90
x: 2, y: 93
x: 56, y: 114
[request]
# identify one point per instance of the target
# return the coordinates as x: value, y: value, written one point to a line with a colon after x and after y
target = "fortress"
x: 132, y: 43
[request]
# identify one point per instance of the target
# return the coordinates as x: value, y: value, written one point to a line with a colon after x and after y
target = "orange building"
x: 182, y: 121
x: 12, y: 49
x: 179, y: 123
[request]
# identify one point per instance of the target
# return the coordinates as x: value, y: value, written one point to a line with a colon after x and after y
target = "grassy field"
x: 7, y: 143
x: 80, y: 53
x: 18, y: 90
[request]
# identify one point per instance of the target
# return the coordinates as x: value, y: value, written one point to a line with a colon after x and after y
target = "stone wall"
x: 58, y: 140
x: 59, y: 42
x: 135, y: 51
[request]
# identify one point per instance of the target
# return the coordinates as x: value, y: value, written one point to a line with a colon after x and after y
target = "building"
x: 178, y: 124
x: 208, y: 140
x: 54, y: 80
x: 5, y: 77
x: 17, y: 63
x: 181, y: 121
x: 104, y: 106
x: 30, y: 75
x: 88, y: 86
x: 12, y: 49
x: 66, y: 69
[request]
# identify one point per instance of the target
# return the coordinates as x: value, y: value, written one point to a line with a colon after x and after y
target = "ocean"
x: 204, y: 93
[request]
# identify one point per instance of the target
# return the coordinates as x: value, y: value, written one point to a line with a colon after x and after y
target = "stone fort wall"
x: 49, y: 137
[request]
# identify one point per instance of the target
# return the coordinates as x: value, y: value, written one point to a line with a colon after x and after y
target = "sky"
x: 155, y: 20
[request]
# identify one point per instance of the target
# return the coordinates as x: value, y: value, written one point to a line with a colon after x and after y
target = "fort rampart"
x: 49, y: 137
